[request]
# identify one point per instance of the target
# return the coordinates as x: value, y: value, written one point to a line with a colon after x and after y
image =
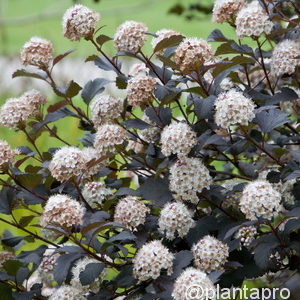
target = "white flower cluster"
x: 192, y: 283
x: 95, y: 193
x: 177, y: 138
x: 37, y: 52
x: 79, y: 22
x: 46, y: 267
x: 226, y: 84
x: 163, y: 34
x: 5, y: 256
x: 136, y: 146
x: 69, y: 162
x: 7, y: 154
x: 187, y: 177
x: 247, y: 234
x: 232, y: 108
x: 138, y: 69
x: 284, y: 188
x: 94, y: 161
x: 226, y: 10
x: 34, y: 99
x: 16, y: 111
x: 210, y: 254
x: 67, y: 292
x: 252, y: 20
x: 131, y: 212
x: 130, y: 36
x: 285, y: 57
x: 66, y: 163
x: 79, y: 267
x: 260, y: 199
x: 232, y: 198
x: 192, y: 53
x: 105, y: 108
x: 140, y: 90
x: 174, y: 218
x: 287, y: 191
x: 150, y: 133
x: 108, y: 136
x: 150, y: 260
x: 62, y: 211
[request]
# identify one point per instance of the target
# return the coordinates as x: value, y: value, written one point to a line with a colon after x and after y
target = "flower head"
x: 177, y: 138
x: 131, y: 212
x: 247, y: 234
x: 252, y: 20
x: 108, y: 136
x: 140, y: 90
x: 66, y: 163
x: 94, y: 161
x: 67, y: 292
x: 187, y: 177
x: 47, y: 265
x: 95, y: 193
x: 175, y: 218
x: 260, y: 199
x: 192, y: 53
x: 130, y: 36
x: 210, y: 254
x: 285, y: 57
x: 7, y: 154
x: 225, y: 10
x: 62, y: 211
x: 138, y: 69
x: 79, y: 22
x: 5, y: 256
x: 233, y: 108
x: 105, y: 108
x: 193, y: 282
x: 37, y: 52
x: 150, y: 260
x: 16, y: 111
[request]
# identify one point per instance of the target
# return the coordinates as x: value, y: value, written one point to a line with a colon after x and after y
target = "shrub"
x: 190, y: 179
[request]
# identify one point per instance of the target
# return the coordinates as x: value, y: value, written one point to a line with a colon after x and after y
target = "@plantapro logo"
x: 198, y: 292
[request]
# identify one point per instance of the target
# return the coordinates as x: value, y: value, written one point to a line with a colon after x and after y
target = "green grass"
x: 152, y: 12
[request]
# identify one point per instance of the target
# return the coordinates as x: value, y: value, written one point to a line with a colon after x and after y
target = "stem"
x: 101, y: 51
x: 264, y: 67
x: 29, y: 232
x: 248, y: 137
x: 30, y: 139
x: 53, y: 133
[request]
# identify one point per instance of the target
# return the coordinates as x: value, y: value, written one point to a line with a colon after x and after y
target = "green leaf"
x: 12, y: 267
x: 271, y: 119
x: 7, y: 196
x: 58, y: 58
x: 92, y: 88
x: 73, y: 89
x: 136, y: 123
x: 217, y: 36
x: 102, y: 39
x: 24, y: 73
x: 24, y: 221
x: 168, y: 42
x: 121, y: 82
x: 91, y: 273
x: 156, y: 190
